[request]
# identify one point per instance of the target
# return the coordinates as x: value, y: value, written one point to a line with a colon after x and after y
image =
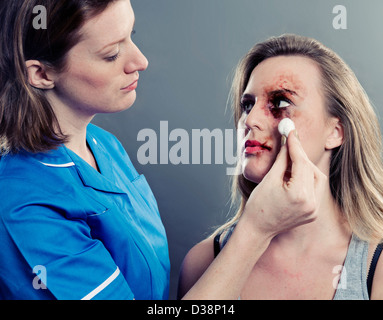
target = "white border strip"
x: 64, y: 165
x: 103, y: 285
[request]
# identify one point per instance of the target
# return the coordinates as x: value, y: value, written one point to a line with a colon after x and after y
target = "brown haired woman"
x: 311, y: 208
x: 77, y: 221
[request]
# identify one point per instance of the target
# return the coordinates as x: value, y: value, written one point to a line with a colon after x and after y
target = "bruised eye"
x: 281, y: 102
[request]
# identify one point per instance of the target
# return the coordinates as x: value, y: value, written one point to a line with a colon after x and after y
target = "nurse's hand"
x: 286, y: 199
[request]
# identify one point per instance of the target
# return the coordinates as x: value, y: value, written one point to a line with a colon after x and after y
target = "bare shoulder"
x: 195, y: 264
x: 377, y: 284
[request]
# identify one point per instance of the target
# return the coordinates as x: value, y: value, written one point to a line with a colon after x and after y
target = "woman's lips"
x: 131, y: 87
x: 254, y: 146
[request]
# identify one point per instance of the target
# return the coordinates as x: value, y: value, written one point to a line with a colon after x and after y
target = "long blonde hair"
x: 356, y: 170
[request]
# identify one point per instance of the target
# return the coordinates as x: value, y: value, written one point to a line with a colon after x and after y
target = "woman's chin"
x: 255, y: 172
x: 252, y: 176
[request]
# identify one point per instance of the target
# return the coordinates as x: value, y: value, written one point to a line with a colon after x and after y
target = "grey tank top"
x: 352, y: 284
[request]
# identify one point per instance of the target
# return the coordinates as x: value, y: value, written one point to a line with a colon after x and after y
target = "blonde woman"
x: 311, y: 210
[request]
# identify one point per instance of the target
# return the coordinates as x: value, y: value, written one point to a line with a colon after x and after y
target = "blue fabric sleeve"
x: 77, y: 266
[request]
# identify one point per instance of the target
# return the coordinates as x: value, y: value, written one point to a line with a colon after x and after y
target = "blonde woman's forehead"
x: 298, y: 74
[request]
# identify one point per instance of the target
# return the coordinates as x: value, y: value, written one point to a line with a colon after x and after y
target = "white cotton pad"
x: 286, y: 126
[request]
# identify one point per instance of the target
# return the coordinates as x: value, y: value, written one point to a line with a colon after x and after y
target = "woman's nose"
x: 257, y: 117
x: 136, y: 61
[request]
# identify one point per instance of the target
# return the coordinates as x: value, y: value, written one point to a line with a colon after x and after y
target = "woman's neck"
x: 78, y: 144
x: 330, y: 227
x: 73, y: 124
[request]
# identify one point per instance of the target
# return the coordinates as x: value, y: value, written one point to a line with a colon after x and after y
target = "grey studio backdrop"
x: 192, y: 47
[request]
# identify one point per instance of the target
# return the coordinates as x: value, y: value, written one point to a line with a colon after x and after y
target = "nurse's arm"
x: 204, y: 278
x: 77, y: 266
x: 263, y: 218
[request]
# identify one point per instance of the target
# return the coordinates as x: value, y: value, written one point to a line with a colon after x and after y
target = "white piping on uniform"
x: 103, y: 285
x: 64, y: 165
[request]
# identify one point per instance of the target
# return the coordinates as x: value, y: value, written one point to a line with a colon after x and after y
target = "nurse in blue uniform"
x: 77, y: 221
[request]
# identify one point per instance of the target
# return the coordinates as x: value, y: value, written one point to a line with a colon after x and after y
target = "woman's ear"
x: 335, y: 138
x: 38, y: 76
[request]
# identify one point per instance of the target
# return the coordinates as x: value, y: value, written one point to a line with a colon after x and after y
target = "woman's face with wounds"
x: 280, y: 87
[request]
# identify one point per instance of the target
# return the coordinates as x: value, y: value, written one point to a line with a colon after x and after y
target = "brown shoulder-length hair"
x: 27, y: 121
x: 356, y: 169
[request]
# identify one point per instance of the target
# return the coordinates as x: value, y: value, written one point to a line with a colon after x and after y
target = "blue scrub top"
x: 85, y: 234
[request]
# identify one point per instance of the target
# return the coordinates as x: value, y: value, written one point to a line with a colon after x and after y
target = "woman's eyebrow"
x: 114, y: 42
x: 282, y: 91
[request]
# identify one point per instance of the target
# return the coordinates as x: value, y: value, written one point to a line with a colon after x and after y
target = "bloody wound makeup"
x: 276, y: 98
x: 277, y: 101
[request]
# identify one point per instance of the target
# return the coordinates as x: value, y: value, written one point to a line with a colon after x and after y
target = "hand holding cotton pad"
x: 286, y: 126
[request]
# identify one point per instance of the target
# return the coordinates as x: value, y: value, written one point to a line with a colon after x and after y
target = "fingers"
x: 280, y: 165
x: 294, y: 169
x: 291, y: 196
x: 291, y: 148
x: 307, y: 180
x: 296, y: 151
x: 301, y: 167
